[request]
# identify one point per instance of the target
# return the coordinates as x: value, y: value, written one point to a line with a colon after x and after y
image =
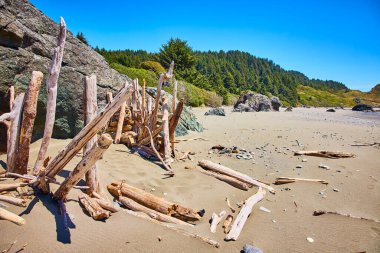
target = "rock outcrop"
x: 254, y: 102
x: 216, y: 111
x: 27, y: 40
x: 362, y: 107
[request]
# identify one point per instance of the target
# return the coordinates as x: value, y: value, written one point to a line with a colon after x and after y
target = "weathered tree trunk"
x: 153, y: 202
x: 216, y: 220
x: 89, y: 131
x: 165, y: 131
x: 245, y: 211
x: 106, y: 205
x: 28, y: 117
x: 120, y: 123
x: 174, y: 122
x: 287, y: 180
x: 51, y: 84
x: 11, y: 95
x: 109, y: 97
x: 153, y: 123
x: 6, y: 215
x: 327, y: 154
x: 134, y: 206
x: 230, y: 172
x: 83, y: 166
x: 13, y: 200
x: 15, y: 119
x: 143, y: 102
x: 90, y: 111
x: 93, y: 208
x: 229, y: 180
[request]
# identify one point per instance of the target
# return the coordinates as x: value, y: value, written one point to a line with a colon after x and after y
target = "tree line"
x: 223, y: 72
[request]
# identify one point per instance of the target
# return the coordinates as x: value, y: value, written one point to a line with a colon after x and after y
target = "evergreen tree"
x: 80, y: 36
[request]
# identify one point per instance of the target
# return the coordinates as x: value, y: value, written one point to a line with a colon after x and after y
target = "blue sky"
x: 337, y: 40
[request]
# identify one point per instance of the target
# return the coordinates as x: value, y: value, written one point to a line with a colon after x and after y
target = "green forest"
x: 225, y: 73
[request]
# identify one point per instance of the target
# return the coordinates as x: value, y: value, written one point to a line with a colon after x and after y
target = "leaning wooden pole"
x: 90, y: 111
x: 15, y: 119
x: 93, y: 155
x: 28, y: 117
x: 174, y: 122
x: 51, y: 85
x: 165, y: 131
x: 89, y: 131
x: 11, y: 95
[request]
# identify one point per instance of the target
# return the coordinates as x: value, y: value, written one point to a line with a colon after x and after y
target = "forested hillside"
x: 225, y: 73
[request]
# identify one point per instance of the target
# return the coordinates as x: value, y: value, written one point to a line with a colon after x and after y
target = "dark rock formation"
x: 216, y: 111
x: 362, y: 107
x: 289, y: 109
x: 276, y: 103
x: 254, y: 102
x: 330, y: 110
x: 357, y: 100
x: 27, y: 40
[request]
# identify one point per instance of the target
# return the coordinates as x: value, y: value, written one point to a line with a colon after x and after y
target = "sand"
x: 273, y: 137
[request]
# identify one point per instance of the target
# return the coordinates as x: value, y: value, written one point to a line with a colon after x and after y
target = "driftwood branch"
x: 165, y: 131
x: 83, y: 166
x: 216, y: 220
x: 287, y: 180
x: 28, y: 117
x: 13, y: 200
x: 6, y: 215
x: 90, y: 111
x: 230, y: 172
x: 12, y: 186
x: 51, y: 85
x: 93, y: 208
x: 245, y: 211
x: 327, y: 154
x: 321, y: 212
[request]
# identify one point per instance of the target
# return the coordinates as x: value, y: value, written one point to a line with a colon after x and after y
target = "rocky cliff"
x: 27, y: 39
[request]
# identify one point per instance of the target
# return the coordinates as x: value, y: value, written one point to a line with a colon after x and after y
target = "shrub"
x: 154, y: 66
x: 149, y: 76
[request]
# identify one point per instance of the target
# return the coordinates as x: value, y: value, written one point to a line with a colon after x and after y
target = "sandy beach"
x: 353, y: 188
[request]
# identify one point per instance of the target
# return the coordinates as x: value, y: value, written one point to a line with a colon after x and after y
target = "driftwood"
x: 229, y: 205
x: 165, y: 131
x: 230, y: 172
x: 11, y: 95
x: 134, y: 206
x: 12, y: 186
x: 174, y: 121
x: 13, y: 200
x: 51, y: 85
x: 229, y: 180
x: 93, y: 208
x: 227, y: 223
x: 327, y: 154
x: 15, y: 119
x: 321, y: 212
x: 216, y: 220
x: 6, y: 215
x: 93, y: 155
x: 287, y: 180
x: 120, y: 123
x: 245, y: 211
x: 28, y: 117
x: 173, y: 227
x: 89, y: 131
x: 90, y: 111
x: 171, y: 172
x: 153, y: 202
x: 143, y: 101
x: 105, y: 204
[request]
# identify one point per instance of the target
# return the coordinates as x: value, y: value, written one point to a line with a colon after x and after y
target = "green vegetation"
x: 228, y: 74
x: 80, y: 36
x: 149, y: 76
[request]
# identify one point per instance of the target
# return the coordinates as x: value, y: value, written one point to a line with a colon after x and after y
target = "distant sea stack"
x: 27, y: 39
x: 255, y: 102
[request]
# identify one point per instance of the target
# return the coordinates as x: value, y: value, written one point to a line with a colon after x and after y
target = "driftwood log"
x: 28, y: 117
x: 321, y: 212
x: 216, y: 218
x: 15, y: 123
x: 106, y: 204
x: 6, y: 215
x: 287, y: 180
x: 12, y: 186
x: 149, y: 200
x: 174, y: 227
x: 165, y: 131
x: 11, y: 95
x: 174, y: 121
x: 89, y: 131
x: 327, y: 154
x: 83, y: 166
x: 208, y: 165
x: 51, y: 85
x: 90, y: 111
x: 120, y: 123
x: 241, y: 218
x: 93, y: 208
x: 227, y: 223
x: 222, y: 177
x: 134, y: 206
x: 13, y: 200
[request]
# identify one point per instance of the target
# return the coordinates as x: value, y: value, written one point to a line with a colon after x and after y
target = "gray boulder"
x: 362, y: 107
x: 27, y: 40
x: 251, y: 249
x: 254, y: 102
x: 276, y: 103
x: 216, y: 111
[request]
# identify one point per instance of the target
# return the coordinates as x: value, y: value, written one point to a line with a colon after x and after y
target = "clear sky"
x: 325, y: 39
